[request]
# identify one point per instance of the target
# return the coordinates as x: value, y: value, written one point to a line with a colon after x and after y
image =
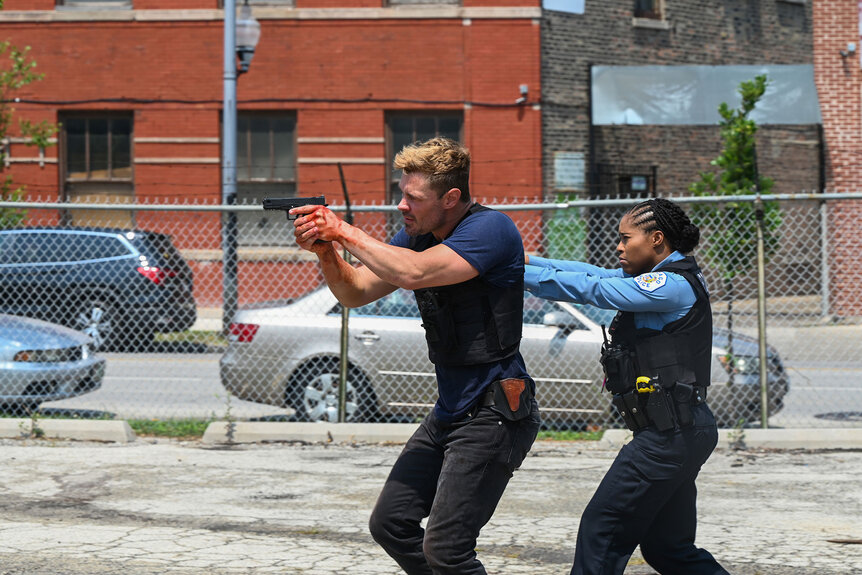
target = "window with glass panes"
x: 404, y: 129
x: 98, y: 148
x: 97, y: 166
x: 264, y: 3
x: 414, y: 2
x: 266, y: 168
x: 648, y: 9
x: 94, y: 4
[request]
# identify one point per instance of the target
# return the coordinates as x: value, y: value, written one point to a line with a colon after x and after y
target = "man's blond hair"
x: 445, y: 162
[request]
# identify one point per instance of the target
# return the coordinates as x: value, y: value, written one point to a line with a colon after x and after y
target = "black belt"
x: 487, y: 398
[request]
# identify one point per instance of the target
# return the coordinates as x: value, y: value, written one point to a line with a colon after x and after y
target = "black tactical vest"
x: 682, y: 350
x: 471, y: 322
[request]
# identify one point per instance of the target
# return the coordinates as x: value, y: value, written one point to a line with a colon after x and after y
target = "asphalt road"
x: 165, y: 507
x: 823, y: 393
x: 170, y: 385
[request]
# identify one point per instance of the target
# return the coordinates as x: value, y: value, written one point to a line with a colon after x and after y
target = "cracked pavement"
x: 157, y: 506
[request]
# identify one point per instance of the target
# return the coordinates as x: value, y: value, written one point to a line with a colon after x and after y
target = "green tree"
x: 730, y: 228
x: 16, y: 72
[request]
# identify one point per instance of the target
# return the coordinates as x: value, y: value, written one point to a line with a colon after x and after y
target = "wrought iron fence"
x: 152, y: 300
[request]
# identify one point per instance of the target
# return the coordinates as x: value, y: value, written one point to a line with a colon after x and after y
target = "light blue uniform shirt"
x: 656, y: 298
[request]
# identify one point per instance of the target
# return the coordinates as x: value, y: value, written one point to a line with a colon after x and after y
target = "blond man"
x: 465, y: 264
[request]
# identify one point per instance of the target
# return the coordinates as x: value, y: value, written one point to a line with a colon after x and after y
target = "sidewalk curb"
x: 75, y: 429
x: 119, y: 431
x: 846, y: 438
x: 261, y: 431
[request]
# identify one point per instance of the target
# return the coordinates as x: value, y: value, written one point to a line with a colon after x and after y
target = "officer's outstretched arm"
x: 574, y: 266
x: 626, y: 294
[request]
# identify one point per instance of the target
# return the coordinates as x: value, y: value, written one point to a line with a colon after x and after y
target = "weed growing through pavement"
x: 230, y: 426
x: 35, y: 430
x: 736, y: 437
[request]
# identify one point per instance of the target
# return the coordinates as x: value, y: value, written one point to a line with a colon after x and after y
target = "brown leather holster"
x: 512, y: 398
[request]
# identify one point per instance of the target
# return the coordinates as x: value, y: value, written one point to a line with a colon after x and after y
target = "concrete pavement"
x: 153, y: 507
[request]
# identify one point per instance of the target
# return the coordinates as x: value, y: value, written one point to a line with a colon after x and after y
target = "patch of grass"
x: 570, y: 435
x: 174, y: 428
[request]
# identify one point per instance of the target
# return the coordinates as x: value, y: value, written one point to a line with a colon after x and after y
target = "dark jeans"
x: 454, y: 474
x: 648, y: 497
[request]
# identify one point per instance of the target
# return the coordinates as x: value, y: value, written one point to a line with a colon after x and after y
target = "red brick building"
x: 137, y: 87
x: 838, y: 73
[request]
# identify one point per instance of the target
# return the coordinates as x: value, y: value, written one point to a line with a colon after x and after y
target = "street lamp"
x: 240, y: 40
x: 247, y: 36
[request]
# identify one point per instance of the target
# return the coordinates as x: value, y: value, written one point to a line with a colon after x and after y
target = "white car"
x: 288, y: 355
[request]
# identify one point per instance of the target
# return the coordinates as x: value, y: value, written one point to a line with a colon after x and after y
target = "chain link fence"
x: 152, y: 301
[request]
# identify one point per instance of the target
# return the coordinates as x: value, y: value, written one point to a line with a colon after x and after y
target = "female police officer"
x: 657, y: 368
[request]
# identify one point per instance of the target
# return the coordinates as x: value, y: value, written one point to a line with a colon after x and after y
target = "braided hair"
x: 670, y: 219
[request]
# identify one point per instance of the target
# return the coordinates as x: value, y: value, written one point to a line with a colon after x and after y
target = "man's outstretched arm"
x: 352, y: 286
x: 401, y: 267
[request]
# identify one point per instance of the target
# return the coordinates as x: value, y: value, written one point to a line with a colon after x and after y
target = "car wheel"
x: 96, y: 317
x: 313, y: 393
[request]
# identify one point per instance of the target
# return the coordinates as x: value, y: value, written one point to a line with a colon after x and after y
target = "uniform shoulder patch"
x: 651, y: 281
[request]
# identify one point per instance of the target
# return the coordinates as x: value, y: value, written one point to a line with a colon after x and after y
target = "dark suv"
x: 118, y: 286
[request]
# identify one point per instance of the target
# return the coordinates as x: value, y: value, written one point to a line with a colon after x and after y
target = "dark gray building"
x: 630, y: 92
x: 628, y: 152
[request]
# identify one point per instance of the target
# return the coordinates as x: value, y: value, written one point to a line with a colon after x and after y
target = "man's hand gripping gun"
x: 286, y: 204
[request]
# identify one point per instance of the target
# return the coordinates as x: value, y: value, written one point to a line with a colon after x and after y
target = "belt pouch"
x: 619, y: 369
x: 636, y: 408
x: 682, y: 393
x: 620, y: 405
x: 512, y: 398
x: 659, y: 409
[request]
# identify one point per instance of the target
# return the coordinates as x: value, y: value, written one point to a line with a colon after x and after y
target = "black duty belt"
x: 663, y: 408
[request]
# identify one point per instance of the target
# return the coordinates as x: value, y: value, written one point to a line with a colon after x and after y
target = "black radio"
x: 619, y: 366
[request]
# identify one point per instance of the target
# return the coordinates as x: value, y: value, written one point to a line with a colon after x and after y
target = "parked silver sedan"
x: 41, y: 361
x: 288, y: 355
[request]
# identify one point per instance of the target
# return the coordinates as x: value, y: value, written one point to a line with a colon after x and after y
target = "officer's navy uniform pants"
x: 454, y: 474
x: 648, y: 497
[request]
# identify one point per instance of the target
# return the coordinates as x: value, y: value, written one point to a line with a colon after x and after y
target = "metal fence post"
x: 345, y: 321
x: 824, y: 261
x: 761, y: 314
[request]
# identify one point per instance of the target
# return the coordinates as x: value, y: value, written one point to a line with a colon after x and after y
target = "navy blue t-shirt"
x: 490, y: 242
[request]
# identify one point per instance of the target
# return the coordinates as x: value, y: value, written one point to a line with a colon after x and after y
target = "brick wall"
x: 339, y: 76
x: 324, y: 63
x: 787, y: 154
x: 839, y: 83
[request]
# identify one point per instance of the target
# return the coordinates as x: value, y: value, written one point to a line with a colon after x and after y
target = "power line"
x: 197, y: 102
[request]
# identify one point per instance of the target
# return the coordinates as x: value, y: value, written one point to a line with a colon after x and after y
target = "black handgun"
x: 286, y: 204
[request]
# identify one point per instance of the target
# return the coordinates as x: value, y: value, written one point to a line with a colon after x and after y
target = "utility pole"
x: 228, y: 169
x: 249, y: 34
